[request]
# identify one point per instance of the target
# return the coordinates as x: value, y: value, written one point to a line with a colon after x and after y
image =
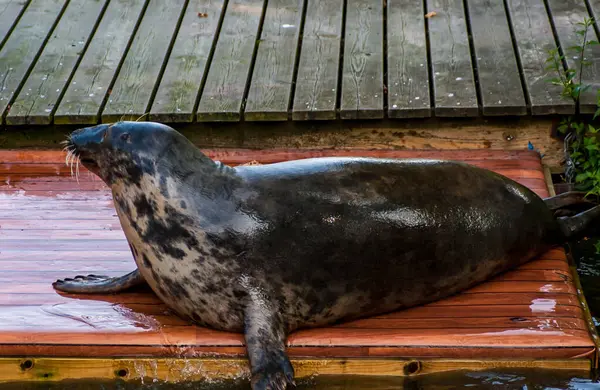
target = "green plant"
x: 582, y: 143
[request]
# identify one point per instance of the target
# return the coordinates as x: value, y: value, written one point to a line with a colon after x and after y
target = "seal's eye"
x: 125, y: 137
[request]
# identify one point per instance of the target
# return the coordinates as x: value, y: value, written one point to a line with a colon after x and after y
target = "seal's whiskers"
x: 143, y: 115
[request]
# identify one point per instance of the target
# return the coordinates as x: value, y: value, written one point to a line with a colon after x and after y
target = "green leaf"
x: 582, y: 177
x: 592, y: 129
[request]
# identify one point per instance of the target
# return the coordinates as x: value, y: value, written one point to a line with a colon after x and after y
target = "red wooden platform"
x: 52, y: 226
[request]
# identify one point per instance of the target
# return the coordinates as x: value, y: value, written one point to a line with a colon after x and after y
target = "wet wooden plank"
x: 241, y: 156
x: 534, y: 38
x: 423, y: 338
x: 453, y: 79
x: 223, y: 94
x: 565, y: 16
x: 19, y: 52
x: 362, y: 73
x: 10, y: 11
x: 497, y: 69
x: 131, y: 94
x: 271, y: 84
x: 408, y: 72
x: 188, y: 62
x: 45, y: 85
x: 315, y: 96
x: 91, y: 82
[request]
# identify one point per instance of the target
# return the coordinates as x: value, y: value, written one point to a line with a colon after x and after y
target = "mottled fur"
x: 272, y: 248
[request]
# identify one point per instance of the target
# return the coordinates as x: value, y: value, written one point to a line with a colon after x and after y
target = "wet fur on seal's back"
x: 351, y: 237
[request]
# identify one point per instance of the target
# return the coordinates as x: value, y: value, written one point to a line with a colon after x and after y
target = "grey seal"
x: 268, y: 249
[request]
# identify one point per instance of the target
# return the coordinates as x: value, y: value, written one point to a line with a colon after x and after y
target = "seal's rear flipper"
x: 569, y: 203
x: 265, y: 336
x: 94, y: 284
x: 567, y: 199
x: 572, y: 226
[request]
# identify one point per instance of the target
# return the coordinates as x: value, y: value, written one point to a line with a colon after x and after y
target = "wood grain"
x: 45, y: 85
x: 10, y: 11
x: 565, y: 16
x: 134, y: 86
x: 19, y: 52
x: 362, y: 73
x: 389, y: 372
x: 497, y: 69
x: 223, y: 94
x: 270, y: 89
x: 534, y: 38
x: 188, y: 62
x: 315, y: 95
x: 408, y: 70
x: 92, y: 80
x: 453, y: 78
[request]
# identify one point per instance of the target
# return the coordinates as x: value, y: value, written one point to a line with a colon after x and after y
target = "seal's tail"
x: 573, y: 211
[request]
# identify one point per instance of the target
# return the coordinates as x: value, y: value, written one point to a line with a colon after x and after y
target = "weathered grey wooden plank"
x: 595, y: 10
x: 565, y: 16
x: 362, y: 75
x: 315, y: 96
x: 22, y: 47
x: 132, y: 91
x: 48, y: 78
x: 271, y: 85
x: 89, y: 86
x: 9, y: 13
x: 533, y: 34
x: 497, y: 69
x: 223, y: 93
x: 187, y: 65
x: 408, y: 72
x: 453, y: 79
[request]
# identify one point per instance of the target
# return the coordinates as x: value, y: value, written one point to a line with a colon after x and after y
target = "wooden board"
x: 534, y: 39
x: 271, y: 84
x: 133, y: 89
x: 497, y: 71
x: 362, y: 73
x: 10, y: 12
x: 531, y: 313
x: 188, y: 62
x: 219, y: 369
x: 45, y: 85
x: 225, y: 88
x: 19, y: 52
x: 453, y: 79
x: 91, y: 83
x: 318, y: 69
x: 408, y: 70
x: 282, y: 61
x: 565, y: 16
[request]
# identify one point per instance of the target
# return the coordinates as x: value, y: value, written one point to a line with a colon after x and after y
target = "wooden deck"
x: 82, y: 62
x: 52, y: 226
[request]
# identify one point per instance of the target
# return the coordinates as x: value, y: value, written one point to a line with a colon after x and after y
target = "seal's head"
x: 127, y: 150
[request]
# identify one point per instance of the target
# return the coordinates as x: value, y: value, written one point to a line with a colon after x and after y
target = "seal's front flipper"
x: 94, y: 284
x: 572, y: 226
x: 265, y: 336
